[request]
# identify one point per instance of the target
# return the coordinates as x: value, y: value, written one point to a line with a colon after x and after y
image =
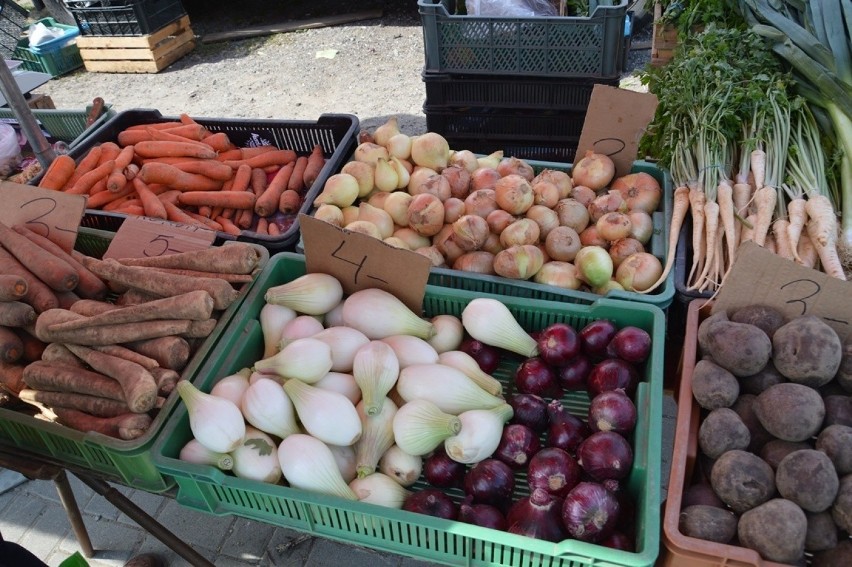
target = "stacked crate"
x: 520, y: 85
x: 132, y: 36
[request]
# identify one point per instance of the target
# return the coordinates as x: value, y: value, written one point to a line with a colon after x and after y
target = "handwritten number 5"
x: 160, y: 238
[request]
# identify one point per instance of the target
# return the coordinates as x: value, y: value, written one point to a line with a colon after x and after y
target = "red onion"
x: 572, y: 376
x: 432, y: 502
x: 631, y: 344
x: 617, y: 540
x: 518, y: 444
x: 558, y: 343
x: 538, y: 516
x: 612, y: 374
x: 483, y: 515
x: 486, y: 356
x: 590, y: 512
x: 553, y: 470
x: 490, y: 482
x: 612, y: 410
x: 441, y: 471
x: 596, y: 336
x: 605, y: 455
x: 534, y: 376
x: 530, y: 410
x: 565, y: 431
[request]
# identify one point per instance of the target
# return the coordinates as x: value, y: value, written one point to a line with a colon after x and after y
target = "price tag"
x: 52, y: 214
x: 615, y: 123
x: 145, y: 237
x: 360, y: 261
x: 761, y: 277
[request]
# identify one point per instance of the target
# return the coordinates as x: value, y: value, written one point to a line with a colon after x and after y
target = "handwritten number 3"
x: 803, y: 298
x: 35, y: 220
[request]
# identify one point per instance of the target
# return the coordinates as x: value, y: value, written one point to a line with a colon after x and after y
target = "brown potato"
x: 844, y: 373
x: 774, y: 451
x: 838, y: 556
x: 807, y: 478
x: 741, y: 349
x: 841, y: 510
x: 722, y: 430
x: 744, y: 406
x: 807, y: 351
x: 836, y: 442
x: 708, y: 523
x: 701, y: 494
x: 766, y: 318
x: 790, y: 411
x: 742, y: 480
x: 776, y: 529
x: 822, y: 531
x: 838, y: 410
x: 712, y: 386
x: 765, y: 377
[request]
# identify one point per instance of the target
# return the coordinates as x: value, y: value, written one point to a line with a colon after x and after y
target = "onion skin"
x: 594, y: 170
x: 612, y: 374
x: 470, y: 232
x: 518, y: 443
x: 605, y: 455
x: 498, y: 220
x: 521, y: 232
x: 553, y: 470
x: 534, y: 376
x: 453, y: 210
x: 426, y: 214
x: 565, y: 431
x: 484, y: 178
x: 621, y: 249
x: 641, y: 226
x: 479, y: 262
x: 572, y: 375
x: 559, y: 178
x: 583, y: 194
x: 519, y: 262
x: 538, y: 516
x: 459, y: 181
x: 596, y: 336
x: 559, y: 274
x: 614, y: 226
x: 590, y: 237
x: 640, y: 190
x: 546, y: 194
x: 515, y: 166
x: 572, y: 213
x: 441, y: 471
x: 486, y: 356
x: 558, y: 343
x: 590, y: 512
x: 545, y: 217
x: 481, y: 202
x: 562, y: 244
x: 609, y: 202
x: 514, y: 194
x: 430, y: 150
x: 612, y: 411
x: 639, y: 271
x: 436, y: 185
x: 483, y: 515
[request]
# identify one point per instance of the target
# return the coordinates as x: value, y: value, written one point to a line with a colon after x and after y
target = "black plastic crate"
x: 13, y: 21
x: 336, y: 133
x: 124, y: 17
x: 683, y: 262
x: 447, y: 89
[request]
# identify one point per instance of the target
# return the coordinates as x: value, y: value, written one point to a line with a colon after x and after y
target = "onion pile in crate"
x: 362, y: 407
x: 496, y: 215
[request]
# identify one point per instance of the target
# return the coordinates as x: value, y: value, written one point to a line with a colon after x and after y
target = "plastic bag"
x: 40, y: 33
x: 510, y: 8
x: 10, y: 150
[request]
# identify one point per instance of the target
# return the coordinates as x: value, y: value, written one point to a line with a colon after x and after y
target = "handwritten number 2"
x: 803, y: 298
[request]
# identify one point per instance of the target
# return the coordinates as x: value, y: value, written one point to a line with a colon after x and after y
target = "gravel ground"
x: 375, y: 71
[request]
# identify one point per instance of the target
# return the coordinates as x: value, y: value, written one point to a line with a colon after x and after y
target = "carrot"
x: 151, y: 205
x: 53, y: 271
x: 290, y: 201
x: 680, y: 206
x: 232, y: 258
x: 230, y: 155
x: 58, y: 353
x: 218, y: 141
x: 121, y: 202
x: 170, y: 352
x: 270, y: 169
x: 92, y: 405
x: 259, y: 181
x: 230, y: 278
x: 262, y: 226
x: 228, y: 227
x: 67, y: 299
x: 12, y: 287
x: 242, y: 178
x: 11, y: 345
x: 297, y: 179
x: 175, y: 178
x: 109, y: 151
x: 90, y: 307
x: 267, y: 203
x: 248, y: 153
x: 134, y: 208
x: 208, y: 167
x: 173, y: 135
x: 33, y: 347
x: 85, y: 183
x: 108, y: 334
x: 161, y: 284
x: 316, y: 161
x: 273, y: 229
x: 175, y: 214
x: 725, y: 199
x: 170, y: 196
x: 758, y: 167
x: 39, y: 295
x: 155, y: 125
x: 87, y: 164
x: 194, y: 305
x: 166, y: 379
x: 798, y: 216
x: 12, y: 377
x: 133, y: 296
x: 131, y: 136
x: 195, y: 132
x: 244, y: 219
x: 186, y: 118
x: 764, y: 200
x: 89, y: 285
x: 171, y: 160
x: 100, y: 186
x: 16, y: 314
x: 782, y: 238
x: 229, y: 199
x: 156, y: 148
x: 116, y: 179
x: 58, y: 173
x: 123, y: 352
x: 822, y: 230
x: 275, y: 157
x: 205, y: 221
x: 200, y: 329
x: 128, y: 426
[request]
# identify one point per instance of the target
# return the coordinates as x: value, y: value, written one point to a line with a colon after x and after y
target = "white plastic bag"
x: 10, y: 150
x: 40, y: 33
x: 510, y: 8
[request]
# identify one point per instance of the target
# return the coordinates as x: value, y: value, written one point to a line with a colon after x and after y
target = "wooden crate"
x: 137, y: 54
x: 663, y: 39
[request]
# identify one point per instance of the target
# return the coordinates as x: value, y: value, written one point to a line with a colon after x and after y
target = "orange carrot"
x: 209, y: 168
x: 58, y: 173
x: 297, y: 181
x: 171, y: 160
x: 120, y: 202
x: 87, y: 164
x: 273, y: 229
x: 155, y: 125
x: 316, y: 161
x: 82, y: 186
x: 228, y: 227
x: 131, y: 208
x: 195, y: 132
x: 244, y: 219
x: 177, y: 179
x: 205, y: 211
x: 270, y: 169
x: 173, y: 135
x: 102, y: 198
x: 218, y: 141
x: 186, y: 119
x: 116, y: 179
x: 101, y: 185
x: 680, y: 207
x: 276, y: 157
x: 109, y: 151
x: 290, y: 201
x: 259, y: 181
x: 242, y: 178
x: 247, y: 153
x: 170, y: 196
x: 230, y: 155
x: 152, y: 206
x: 175, y: 214
x: 227, y: 199
x: 12, y: 287
x: 267, y: 204
x: 55, y: 272
x: 262, y: 226
x: 208, y: 222
x: 129, y: 137
x: 156, y: 148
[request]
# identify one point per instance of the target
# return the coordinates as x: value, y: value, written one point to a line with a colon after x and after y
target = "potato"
x: 765, y: 377
x: 713, y: 387
x: 742, y: 480
x: 722, y: 430
x: 766, y: 318
x: 844, y: 373
x: 822, y: 531
x: 838, y: 410
x: 705, y: 328
x: 807, y: 478
x: 839, y: 556
x: 775, y: 451
x: 740, y: 348
x: 708, y: 523
x: 807, y: 351
x: 836, y: 442
x: 701, y: 494
x: 744, y: 406
x: 775, y: 529
x: 790, y: 411
x: 841, y: 510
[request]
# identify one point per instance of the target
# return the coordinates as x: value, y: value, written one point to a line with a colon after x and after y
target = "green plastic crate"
x: 126, y: 461
x: 56, y: 57
x: 208, y: 489
x: 66, y: 125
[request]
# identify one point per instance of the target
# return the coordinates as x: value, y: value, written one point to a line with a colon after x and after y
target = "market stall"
x: 460, y: 353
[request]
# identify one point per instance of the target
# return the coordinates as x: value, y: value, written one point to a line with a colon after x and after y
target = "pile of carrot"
x: 98, y: 345
x: 183, y: 172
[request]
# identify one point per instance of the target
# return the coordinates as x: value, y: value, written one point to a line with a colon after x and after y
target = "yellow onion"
x: 436, y: 184
x: 385, y: 176
x: 478, y: 261
x: 639, y: 271
x: 430, y: 150
x: 459, y: 181
x: 350, y: 214
x: 562, y: 244
x: 484, y: 178
x: 417, y: 176
x: 453, y: 210
x: 465, y: 159
x: 481, y: 202
x: 492, y: 160
x: 594, y: 170
x: 470, y: 232
x: 520, y: 232
x: 590, y: 237
x: 370, y: 152
x: 545, y: 217
x: 426, y: 214
x: 546, y: 193
x: 519, y: 262
x: 640, y: 190
x: 402, y: 172
x: 380, y: 218
x: 396, y: 205
x: 622, y: 248
x: 492, y: 244
x: 399, y: 146
x: 340, y: 189
x: 609, y: 202
x: 559, y: 274
x: 377, y: 199
x: 433, y: 254
x: 411, y: 238
x: 445, y: 242
x: 364, y: 227
x: 613, y: 226
x: 330, y: 214
x: 516, y: 166
x: 383, y: 133
x: 514, y: 194
x: 363, y: 172
x: 559, y: 178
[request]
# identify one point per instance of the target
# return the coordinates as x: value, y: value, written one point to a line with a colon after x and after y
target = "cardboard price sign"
x: 615, y: 123
x: 52, y: 214
x: 760, y: 277
x: 359, y: 261
x: 145, y: 237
